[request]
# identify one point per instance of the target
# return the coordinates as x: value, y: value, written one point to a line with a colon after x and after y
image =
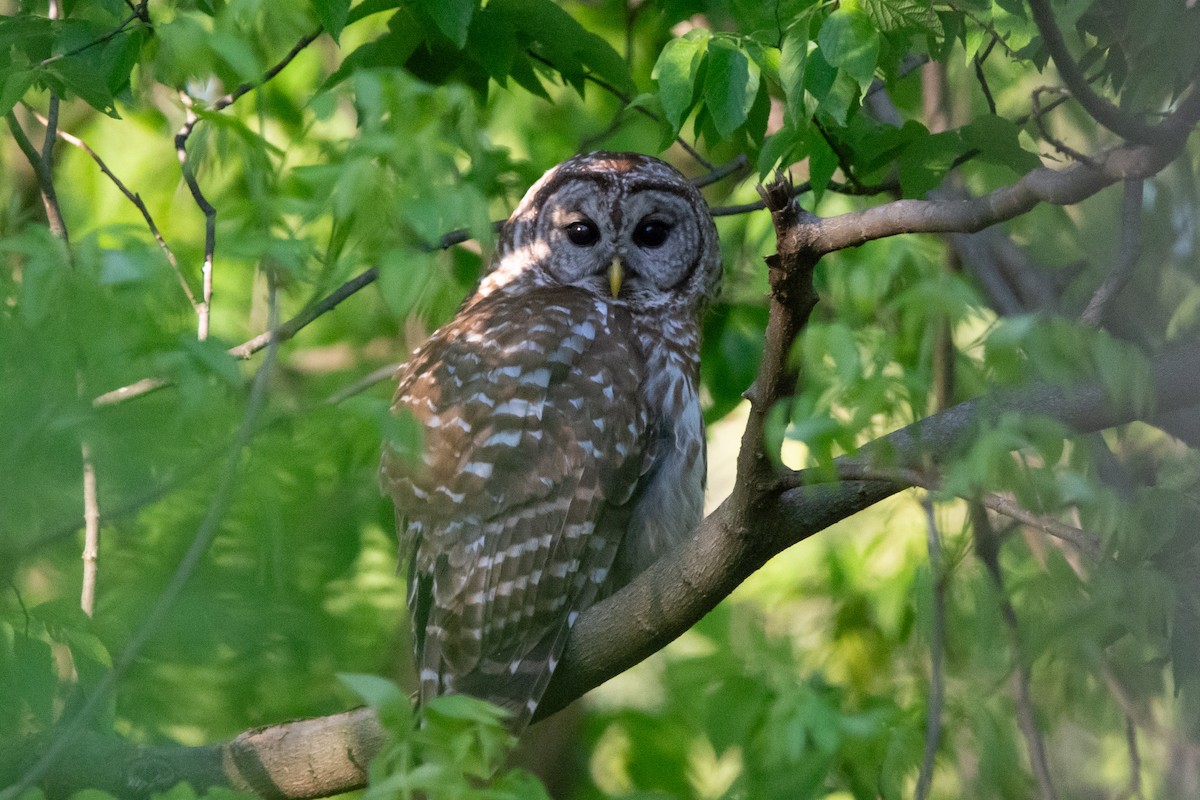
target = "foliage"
x: 453, y: 747
x: 407, y: 121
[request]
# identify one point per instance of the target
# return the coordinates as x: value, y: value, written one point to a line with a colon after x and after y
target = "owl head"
x: 624, y: 226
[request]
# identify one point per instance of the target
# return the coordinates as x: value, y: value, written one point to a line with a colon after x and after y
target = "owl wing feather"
x: 514, y: 508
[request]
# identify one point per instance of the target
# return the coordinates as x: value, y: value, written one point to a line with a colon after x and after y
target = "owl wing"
x: 513, y: 510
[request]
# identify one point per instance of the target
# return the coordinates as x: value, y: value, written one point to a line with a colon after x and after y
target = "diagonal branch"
x: 1103, y: 111
x: 1127, y: 256
x: 687, y: 583
x: 134, y: 198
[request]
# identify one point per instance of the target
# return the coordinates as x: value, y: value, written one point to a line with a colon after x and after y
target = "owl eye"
x: 651, y: 233
x: 583, y: 233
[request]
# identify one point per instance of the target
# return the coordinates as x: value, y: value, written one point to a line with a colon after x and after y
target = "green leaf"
x: 997, y: 141
x: 850, y: 42
x: 212, y: 357
x: 375, y: 691
x: 333, y: 15
x: 493, y: 44
x: 453, y: 17
x: 84, y: 82
x: 14, y: 83
x: 730, y: 86
x: 926, y: 159
x: 559, y: 38
x: 902, y: 15
x: 793, y: 57
x: 675, y: 72
x: 822, y: 161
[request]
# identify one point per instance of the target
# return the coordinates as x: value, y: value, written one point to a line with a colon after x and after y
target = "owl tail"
x: 516, y: 686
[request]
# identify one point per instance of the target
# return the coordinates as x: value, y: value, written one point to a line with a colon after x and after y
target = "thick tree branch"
x: 662, y: 603
x: 1065, y: 187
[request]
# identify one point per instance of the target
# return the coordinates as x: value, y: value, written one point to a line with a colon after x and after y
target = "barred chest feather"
x: 670, y: 499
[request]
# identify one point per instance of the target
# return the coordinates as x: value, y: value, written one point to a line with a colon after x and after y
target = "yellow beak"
x: 616, y: 272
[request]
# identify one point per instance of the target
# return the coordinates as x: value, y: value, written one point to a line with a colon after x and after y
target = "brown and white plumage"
x: 563, y: 441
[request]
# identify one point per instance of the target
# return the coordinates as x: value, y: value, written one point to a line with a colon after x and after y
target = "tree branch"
x: 41, y: 171
x: 670, y: 596
x: 1041, y: 185
x: 134, y: 198
x: 1127, y: 256
x: 1103, y: 111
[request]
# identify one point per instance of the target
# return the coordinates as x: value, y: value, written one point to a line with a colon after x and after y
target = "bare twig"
x: 987, y: 547
x: 372, y: 378
x: 1135, y: 759
x: 989, y: 27
x: 134, y: 198
x: 980, y: 58
x: 937, y: 643
x: 722, y: 172
x: 204, y: 307
x: 1039, y: 118
x: 232, y: 97
x: 1110, y: 116
x: 187, y: 566
x: 41, y: 171
x: 1127, y: 257
x: 855, y: 470
x: 137, y: 14
x: 91, y: 532
x: 624, y: 98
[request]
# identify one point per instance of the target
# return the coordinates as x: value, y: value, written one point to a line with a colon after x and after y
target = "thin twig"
x: 839, y: 152
x: 937, y: 644
x: 132, y: 18
x: 1127, y: 256
x: 205, y: 534
x: 231, y: 98
x: 983, y: 81
x: 1110, y: 116
x: 720, y: 173
x: 204, y: 307
x: 375, y: 376
x: 41, y: 171
x: 991, y: 30
x: 134, y: 198
x: 1039, y: 117
x: 849, y: 470
x: 624, y: 98
x: 987, y: 547
x: 1135, y: 759
x: 91, y: 532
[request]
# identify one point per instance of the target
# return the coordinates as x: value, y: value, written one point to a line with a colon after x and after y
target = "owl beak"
x: 616, y: 273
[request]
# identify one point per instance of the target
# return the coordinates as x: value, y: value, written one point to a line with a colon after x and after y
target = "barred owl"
x: 563, y: 445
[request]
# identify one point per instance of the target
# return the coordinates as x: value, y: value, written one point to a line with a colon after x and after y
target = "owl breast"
x: 669, y: 500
